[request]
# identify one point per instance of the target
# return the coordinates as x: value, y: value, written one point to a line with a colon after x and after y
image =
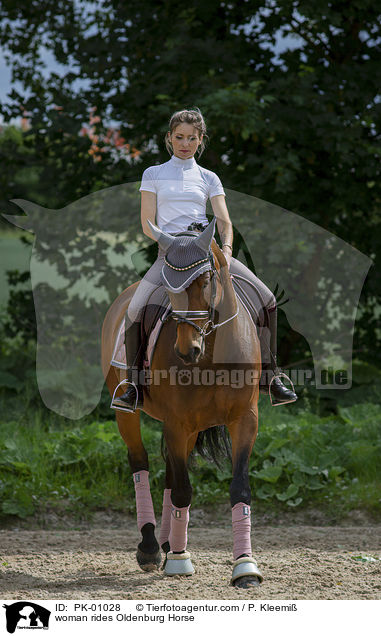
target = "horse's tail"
x: 214, y: 445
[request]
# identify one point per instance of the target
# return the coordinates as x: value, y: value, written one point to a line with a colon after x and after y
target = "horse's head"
x: 191, y: 276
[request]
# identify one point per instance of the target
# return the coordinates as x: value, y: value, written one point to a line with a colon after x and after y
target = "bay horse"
x: 208, y: 330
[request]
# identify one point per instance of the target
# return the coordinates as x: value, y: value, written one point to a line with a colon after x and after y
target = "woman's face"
x: 185, y: 141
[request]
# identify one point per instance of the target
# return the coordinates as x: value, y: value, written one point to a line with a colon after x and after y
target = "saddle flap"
x: 249, y: 298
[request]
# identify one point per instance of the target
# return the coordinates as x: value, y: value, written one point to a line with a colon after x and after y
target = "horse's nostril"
x: 191, y: 355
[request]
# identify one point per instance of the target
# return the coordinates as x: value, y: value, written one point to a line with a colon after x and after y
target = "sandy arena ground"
x: 96, y: 560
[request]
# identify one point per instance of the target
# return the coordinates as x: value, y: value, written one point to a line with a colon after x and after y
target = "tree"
x: 301, y: 129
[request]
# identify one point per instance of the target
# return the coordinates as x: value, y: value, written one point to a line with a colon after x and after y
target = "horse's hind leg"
x: 243, y: 433
x: 148, y: 552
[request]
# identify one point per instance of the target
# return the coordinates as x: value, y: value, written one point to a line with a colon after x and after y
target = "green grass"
x: 299, y: 460
x: 67, y: 469
x: 322, y: 452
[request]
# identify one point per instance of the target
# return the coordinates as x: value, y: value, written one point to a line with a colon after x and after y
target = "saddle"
x: 156, y: 310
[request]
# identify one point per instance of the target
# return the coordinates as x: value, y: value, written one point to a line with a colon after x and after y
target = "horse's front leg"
x: 243, y: 432
x: 148, y: 552
x: 176, y: 501
x: 165, y: 526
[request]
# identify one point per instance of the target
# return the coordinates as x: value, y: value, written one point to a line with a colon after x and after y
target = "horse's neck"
x: 235, y: 341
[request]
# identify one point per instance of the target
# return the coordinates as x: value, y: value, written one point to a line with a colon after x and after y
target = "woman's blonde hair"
x: 193, y: 117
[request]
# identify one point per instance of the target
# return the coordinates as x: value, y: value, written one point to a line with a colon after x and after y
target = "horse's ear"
x: 205, y: 238
x: 163, y: 239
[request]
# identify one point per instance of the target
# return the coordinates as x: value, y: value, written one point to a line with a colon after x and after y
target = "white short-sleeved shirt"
x: 182, y: 188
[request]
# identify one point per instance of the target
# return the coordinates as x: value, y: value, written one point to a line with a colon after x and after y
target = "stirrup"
x: 126, y: 409
x: 277, y: 375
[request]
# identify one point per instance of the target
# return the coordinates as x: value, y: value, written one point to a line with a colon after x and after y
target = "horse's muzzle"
x: 192, y: 355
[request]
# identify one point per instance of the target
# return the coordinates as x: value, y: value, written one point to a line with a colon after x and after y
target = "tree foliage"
x: 300, y: 128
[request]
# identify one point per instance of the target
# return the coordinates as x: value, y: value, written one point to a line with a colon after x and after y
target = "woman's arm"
x: 148, y: 211
x: 224, y: 225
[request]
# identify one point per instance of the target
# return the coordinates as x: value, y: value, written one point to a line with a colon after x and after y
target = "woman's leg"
x: 133, y: 341
x: 148, y: 283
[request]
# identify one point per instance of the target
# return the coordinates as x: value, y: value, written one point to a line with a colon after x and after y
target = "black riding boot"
x: 134, y: 360
x: 270, y: 379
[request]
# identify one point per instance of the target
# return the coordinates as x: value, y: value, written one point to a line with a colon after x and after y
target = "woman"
x: 173, y: 196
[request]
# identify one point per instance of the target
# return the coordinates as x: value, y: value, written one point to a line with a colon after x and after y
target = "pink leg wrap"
x: 144, y: 507
x: 179, y: 523
x: 241, y: 530
x: 165, y: 517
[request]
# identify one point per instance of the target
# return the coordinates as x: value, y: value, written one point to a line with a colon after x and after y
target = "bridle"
x: 188, y: 315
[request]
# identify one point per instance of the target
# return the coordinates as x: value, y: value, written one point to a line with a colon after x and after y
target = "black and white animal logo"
x: 25, y: 615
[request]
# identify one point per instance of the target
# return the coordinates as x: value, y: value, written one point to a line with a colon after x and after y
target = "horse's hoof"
x: 178, y: 564
x: 148, y: 562
x: 246, y: 573
x: 247, y: 581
